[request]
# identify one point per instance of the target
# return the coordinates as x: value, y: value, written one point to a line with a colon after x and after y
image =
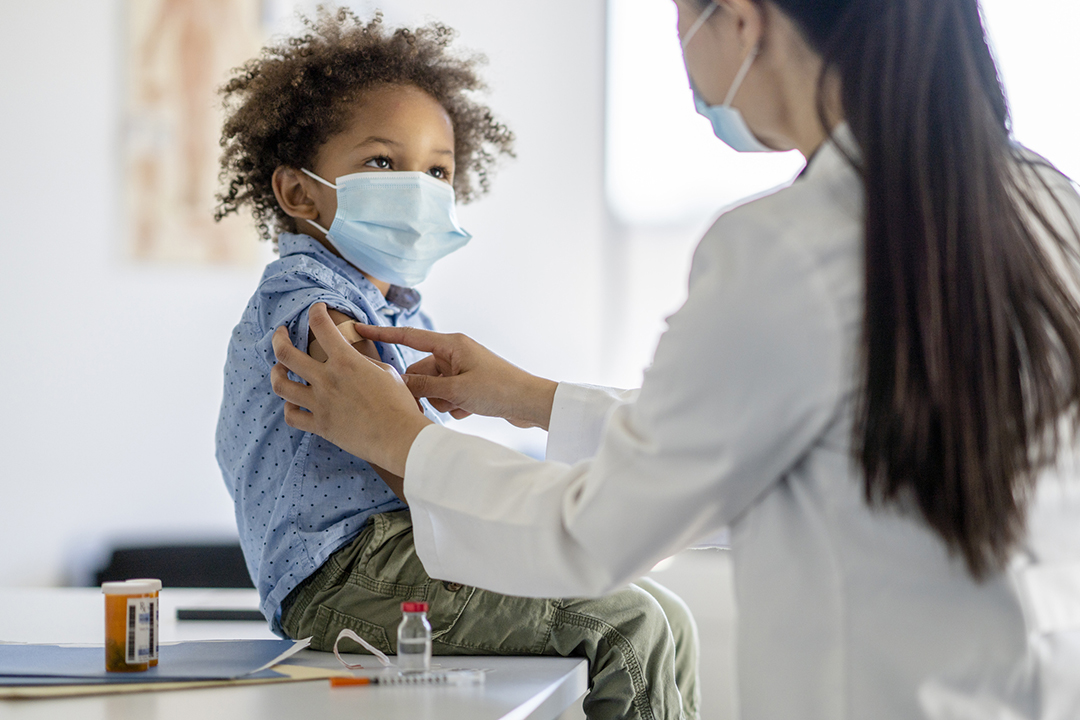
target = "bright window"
x: 1035, y: 45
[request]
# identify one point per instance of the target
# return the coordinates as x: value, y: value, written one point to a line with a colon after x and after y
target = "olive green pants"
x: 641, y: 642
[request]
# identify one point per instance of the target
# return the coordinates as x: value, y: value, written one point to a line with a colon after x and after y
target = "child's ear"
x: 292, y: 195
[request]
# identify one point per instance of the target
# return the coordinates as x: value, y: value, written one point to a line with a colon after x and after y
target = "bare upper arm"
x: 366, y: 347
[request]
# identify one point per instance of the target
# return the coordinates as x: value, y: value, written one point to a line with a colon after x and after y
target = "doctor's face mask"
x: 727, y: 122
x: 393, y: 225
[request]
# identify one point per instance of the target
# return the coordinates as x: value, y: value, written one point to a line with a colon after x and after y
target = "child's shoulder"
x: 304, y: 274
x: 304, y: 263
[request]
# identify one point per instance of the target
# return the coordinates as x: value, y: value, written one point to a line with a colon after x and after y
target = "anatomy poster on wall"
x: 178, y: 53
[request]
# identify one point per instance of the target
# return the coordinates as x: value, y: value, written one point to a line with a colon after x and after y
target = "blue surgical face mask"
x: 727, y: 122
x: 393, y: 225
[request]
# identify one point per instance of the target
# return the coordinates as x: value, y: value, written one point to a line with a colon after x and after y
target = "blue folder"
x: 187, y: 661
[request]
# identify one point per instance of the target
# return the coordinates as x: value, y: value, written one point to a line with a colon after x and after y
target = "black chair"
x: 219, y: 565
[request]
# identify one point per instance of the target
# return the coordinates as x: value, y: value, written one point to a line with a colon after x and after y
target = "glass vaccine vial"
x: 128, y: 623
x: 414, y: 638
x: 155, y: 619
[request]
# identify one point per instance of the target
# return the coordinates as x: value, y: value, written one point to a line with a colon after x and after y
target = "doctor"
x: 865, y: 383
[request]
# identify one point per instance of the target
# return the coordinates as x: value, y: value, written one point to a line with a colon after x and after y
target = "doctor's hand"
x: 357, y: 403
x: 462, y: 377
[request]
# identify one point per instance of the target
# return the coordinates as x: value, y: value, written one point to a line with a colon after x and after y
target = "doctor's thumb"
x: 430, y: 386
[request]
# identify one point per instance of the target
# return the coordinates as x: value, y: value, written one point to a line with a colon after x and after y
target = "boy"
x: 352, y: 142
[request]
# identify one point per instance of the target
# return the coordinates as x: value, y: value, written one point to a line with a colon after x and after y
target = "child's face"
x: 391, y: 128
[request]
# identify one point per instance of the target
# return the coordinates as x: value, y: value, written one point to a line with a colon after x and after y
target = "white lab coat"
x: 743, y: 420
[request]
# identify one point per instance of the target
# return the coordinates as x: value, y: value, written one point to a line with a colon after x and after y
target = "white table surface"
x: 516, y: 688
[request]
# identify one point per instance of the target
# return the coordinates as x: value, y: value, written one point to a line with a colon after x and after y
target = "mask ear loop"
x: 705, y: 14
x: 324, y: 230
x: 347, y: 633
x: 312, y: 222
x: 741, y: 75
x: 313, y: 176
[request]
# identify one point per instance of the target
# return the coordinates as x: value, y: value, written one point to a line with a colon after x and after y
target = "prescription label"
x: 139, y: 641
x: 155, y: 622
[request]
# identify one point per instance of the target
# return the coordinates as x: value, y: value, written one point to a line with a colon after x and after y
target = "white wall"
x: 112, y: 370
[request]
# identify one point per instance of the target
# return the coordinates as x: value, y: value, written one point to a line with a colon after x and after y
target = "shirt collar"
x: 398, y: 299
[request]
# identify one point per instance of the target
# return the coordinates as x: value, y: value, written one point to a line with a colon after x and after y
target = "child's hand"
x: 359, y: 404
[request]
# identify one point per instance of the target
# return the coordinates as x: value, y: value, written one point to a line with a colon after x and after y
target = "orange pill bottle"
x: 128, y: 622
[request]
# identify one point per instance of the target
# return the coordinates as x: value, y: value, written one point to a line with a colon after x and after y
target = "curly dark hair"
x: 283, y: 105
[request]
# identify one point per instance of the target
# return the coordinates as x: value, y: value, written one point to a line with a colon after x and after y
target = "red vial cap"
x: 414, y: 607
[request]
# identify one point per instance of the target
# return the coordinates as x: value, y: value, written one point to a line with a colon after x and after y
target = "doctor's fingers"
x: 322, y: 326
x: 292, y: 358
x: 299, y: 418
x: 448, y: 407
x: 442, y: 405
x: 428, y: 366
x: 439, y: 344
x: 288, y: 390
x: 440, y: 393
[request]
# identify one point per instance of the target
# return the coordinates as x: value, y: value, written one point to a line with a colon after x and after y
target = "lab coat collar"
x: 835, y: 166
x: 839, y: 148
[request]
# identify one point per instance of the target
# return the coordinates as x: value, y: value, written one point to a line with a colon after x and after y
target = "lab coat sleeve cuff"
x: 422, y: 483
x: 578, y: 416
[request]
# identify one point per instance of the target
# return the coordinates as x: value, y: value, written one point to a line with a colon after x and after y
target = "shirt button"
x: 452, y: 586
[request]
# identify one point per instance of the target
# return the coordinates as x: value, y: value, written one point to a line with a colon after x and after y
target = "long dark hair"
x: 971, y: 335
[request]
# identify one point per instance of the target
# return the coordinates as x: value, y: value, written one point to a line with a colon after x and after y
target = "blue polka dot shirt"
x: 298, y: 497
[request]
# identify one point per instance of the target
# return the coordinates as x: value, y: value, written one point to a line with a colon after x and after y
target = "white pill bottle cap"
x: 131, y: 587
x: 153, y: 582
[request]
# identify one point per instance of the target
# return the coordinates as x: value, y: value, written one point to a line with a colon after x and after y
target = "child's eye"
x: 382, y: 162
x: 439, y: 173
